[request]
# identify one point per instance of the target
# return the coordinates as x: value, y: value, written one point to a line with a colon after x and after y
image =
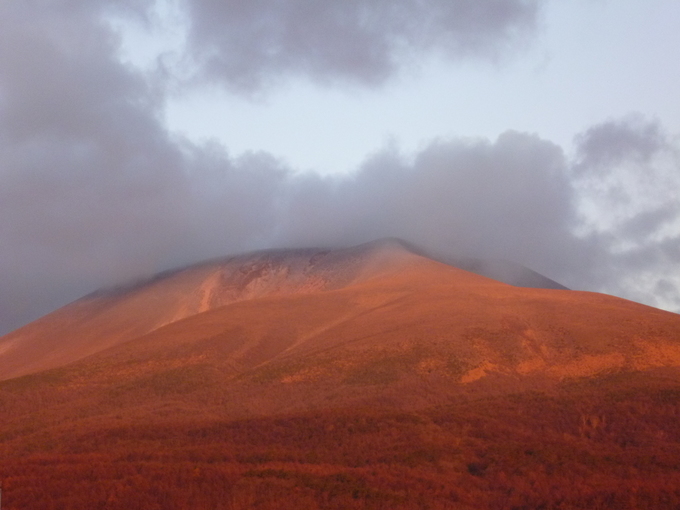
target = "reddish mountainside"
x: 371, y: 377
x: 113, y: 316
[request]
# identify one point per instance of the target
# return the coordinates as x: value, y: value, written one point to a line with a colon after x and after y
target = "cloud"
x: 95, y: 191
x: 627, y: 178
x: 627, y: 174
x: 505, y: 199
x: 245, y: 44
x: 83, y: 157
x: 631, y: 138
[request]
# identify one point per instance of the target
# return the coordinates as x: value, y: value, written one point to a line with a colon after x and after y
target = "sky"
x: 141, y: 135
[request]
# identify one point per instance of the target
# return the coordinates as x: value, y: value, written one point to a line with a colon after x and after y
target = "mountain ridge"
x: 110, y: 316
x: 384, y: 291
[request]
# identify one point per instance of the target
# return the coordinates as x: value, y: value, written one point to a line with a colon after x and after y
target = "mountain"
x: 111, y: 316
x: 367, y: 377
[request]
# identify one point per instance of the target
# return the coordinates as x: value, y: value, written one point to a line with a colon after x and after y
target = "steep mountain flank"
x: 371, y: 377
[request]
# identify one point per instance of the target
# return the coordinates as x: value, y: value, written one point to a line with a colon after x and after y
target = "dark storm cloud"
x: 247, y: 43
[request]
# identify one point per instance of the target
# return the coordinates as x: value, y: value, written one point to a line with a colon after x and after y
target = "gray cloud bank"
x: 246, y: 44
x: 94, y: 190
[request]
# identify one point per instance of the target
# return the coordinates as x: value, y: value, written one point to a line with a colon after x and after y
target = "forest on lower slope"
x: 598, y: 444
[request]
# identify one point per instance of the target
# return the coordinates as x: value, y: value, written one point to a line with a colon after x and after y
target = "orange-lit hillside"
x: 364, y: 378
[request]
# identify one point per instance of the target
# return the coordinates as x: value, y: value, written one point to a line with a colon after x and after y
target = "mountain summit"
x: 378, y: 311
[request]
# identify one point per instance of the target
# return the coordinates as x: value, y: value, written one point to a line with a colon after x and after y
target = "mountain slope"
x: 367, y: 378
x: 292, y: 330
x: 427, y: 325
x: 112, y: 316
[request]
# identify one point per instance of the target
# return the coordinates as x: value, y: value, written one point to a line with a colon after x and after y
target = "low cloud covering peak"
x: 94, y: 190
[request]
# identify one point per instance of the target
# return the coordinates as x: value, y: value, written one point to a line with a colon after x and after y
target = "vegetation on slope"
x: 603, y: 443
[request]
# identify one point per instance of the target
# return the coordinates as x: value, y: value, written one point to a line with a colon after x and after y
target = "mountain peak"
x: 386, y: 282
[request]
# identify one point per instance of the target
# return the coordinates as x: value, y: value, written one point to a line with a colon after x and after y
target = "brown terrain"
x: 370, y: 377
